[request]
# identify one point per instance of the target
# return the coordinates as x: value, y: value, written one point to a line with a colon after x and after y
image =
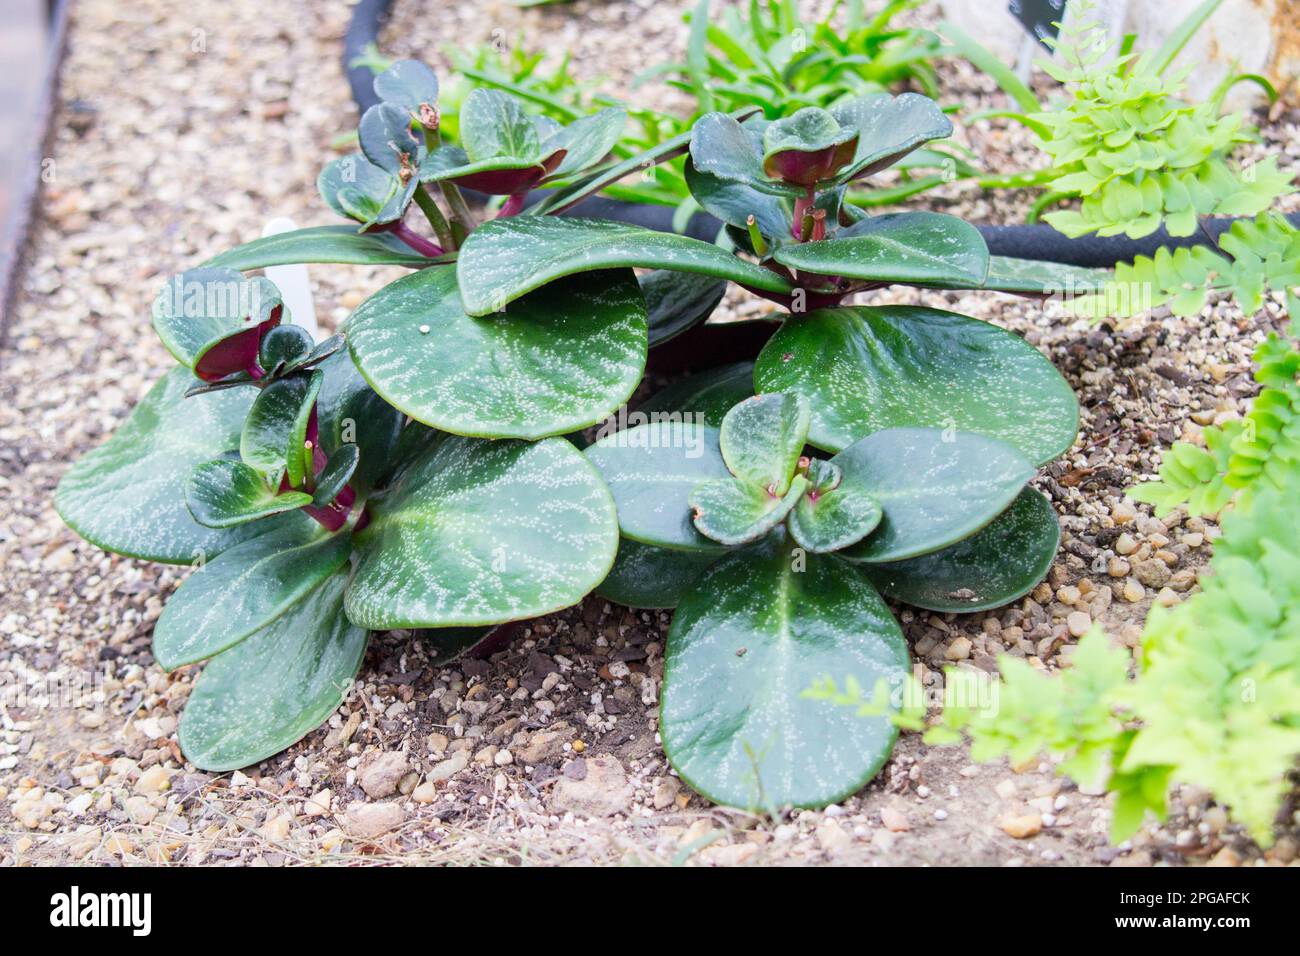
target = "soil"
x: 180, y: 132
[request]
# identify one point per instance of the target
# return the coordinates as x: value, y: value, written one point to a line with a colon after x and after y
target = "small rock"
x: 1079, y: 623
x: 958, y: 650
x: 318, y: 804
x: 437, y: 744
x: 139, y: 810
x: 1225, y: 857
x: 424, y: 793
x: 602, y: 792
x: 368, y: 821
x: 832, y: 838
x: 1118, y: 568
x: 154, y: 780
x: 666, y: 791
x: 1133, y: 592
x: 380, y: 773
x: 1153, y: 572
x: 503, y: 758
x: 541, y: 747
x: 1022, y: 826
x: 1125, y: 544
x: 79, y: 804
x: 446, y: 769
x: 893, y: 820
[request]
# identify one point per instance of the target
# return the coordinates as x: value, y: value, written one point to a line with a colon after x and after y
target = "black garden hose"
x: 1038, y: 241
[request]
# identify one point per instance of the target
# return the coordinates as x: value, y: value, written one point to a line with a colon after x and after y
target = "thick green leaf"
x: 493, y: 124
x: 734, y: 202
x: 284, y: 346
x: 650, y: 577
x: 555, y: 361
x: 586, y: 141
x: 276, y: 428
x: 993, y: 567
x: 935, y: 488
x: 677, y: 301
x: 723, y: 148
x: 807, y: 147
x: 761, y: 627
x: 733, y: 512
x: 339, y: 244
x: 276, y: 686
x: 481, y: 532
x: 865, y: 369
x: 835, y: 512
x: 1031, y: 277
x: 507, y: 258
x: 890, y: 127
x: 927, y: 248
x: 356, y: 188
x: 226, y: 492
x: 411, y: 85
x: 349, y: 412
x: 762, y: 438
x: 651, y: 471
x: 335, y: 475
x: 244, y: 589
x: 209, y: 318
x: 128, y: 495
x: 387, y: 140
x: 707, y: 395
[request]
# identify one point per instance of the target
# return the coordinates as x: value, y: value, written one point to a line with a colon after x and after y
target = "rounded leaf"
x: 276, y: 429
x: 284, y: 345
x: 734, y: 512
x: 833, y: 513
x: 651, y: 470
x: 864, y: 369
x: 934, y: 488
x: 482, y: 532
x: 744, y: 645
x: 993, y: 567
x: 762, y: 438
x: 226, y: 492
x: 650, y: 577
x: 411, y: 85
x: 707, y: 396
x: 554, y: 362
x: 677, y: 301
x: 128, y: 495
x: 211, y: 319
x: 275, y: 687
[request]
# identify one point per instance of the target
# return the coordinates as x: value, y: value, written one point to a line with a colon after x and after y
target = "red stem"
x: 416, y: 241
x: 511, y: 206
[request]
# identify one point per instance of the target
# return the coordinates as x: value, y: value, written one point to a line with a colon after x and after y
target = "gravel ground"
x: 180, y: 133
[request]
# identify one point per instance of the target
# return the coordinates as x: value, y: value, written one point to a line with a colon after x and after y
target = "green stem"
x: 462, y: 220
x: 436, y: 219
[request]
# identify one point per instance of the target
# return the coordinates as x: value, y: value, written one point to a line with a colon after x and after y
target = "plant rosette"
x: 421, y: 477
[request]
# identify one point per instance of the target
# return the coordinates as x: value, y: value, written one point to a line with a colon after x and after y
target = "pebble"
x: 603, y: 790
x: 893, y: 819
x: 832, y: 838
x: 1152, y: 572
x: 1133, y: 591
x: 154, y: 780
x: 665, y: 792
x: 1125, y: 544
x: 318, y: 804
x: 446, y: 769
x: 380, y: 773
x: 958, y: 650
x: 542, y: 746
x: 1079, y: 623
x: 424, y: 793
x: 1022, y: 826
x: 368, y: 821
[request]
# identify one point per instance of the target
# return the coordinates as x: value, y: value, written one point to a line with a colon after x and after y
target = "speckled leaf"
x: 586, y: 141
x: 735, y: 512
x: 338, y: 244
x: 864, y: 369
x: 225, y: 492
x: 734, y: 202
x: 744, y: 645
x: 411, y: 85
x: 807, y: 147
x: 128, y: 495
x: 276, y: 428
x: 356, y: 188
x: 1031, y: 277
x: 276, y: 686
x: 762, y: 438
x: 708, y: 395
x: 210, y: 319
x: 555, y: 361
x: 993, y: 567
x: 507, y: 258
x: 934, y: 487
x: 284, y: 346
x: 834, y: 513
x: 349, y: 412
x: 650, y: 577
x: 493, y: 123
x: 890, y: 128
x: 908, y: 247
x: 723, y: 148
x: 651, y: 470
x: 481, y: 532
x: 387, y: 141
x: 677, y: 301
x: 244, y: 589
x: 335, y: 475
